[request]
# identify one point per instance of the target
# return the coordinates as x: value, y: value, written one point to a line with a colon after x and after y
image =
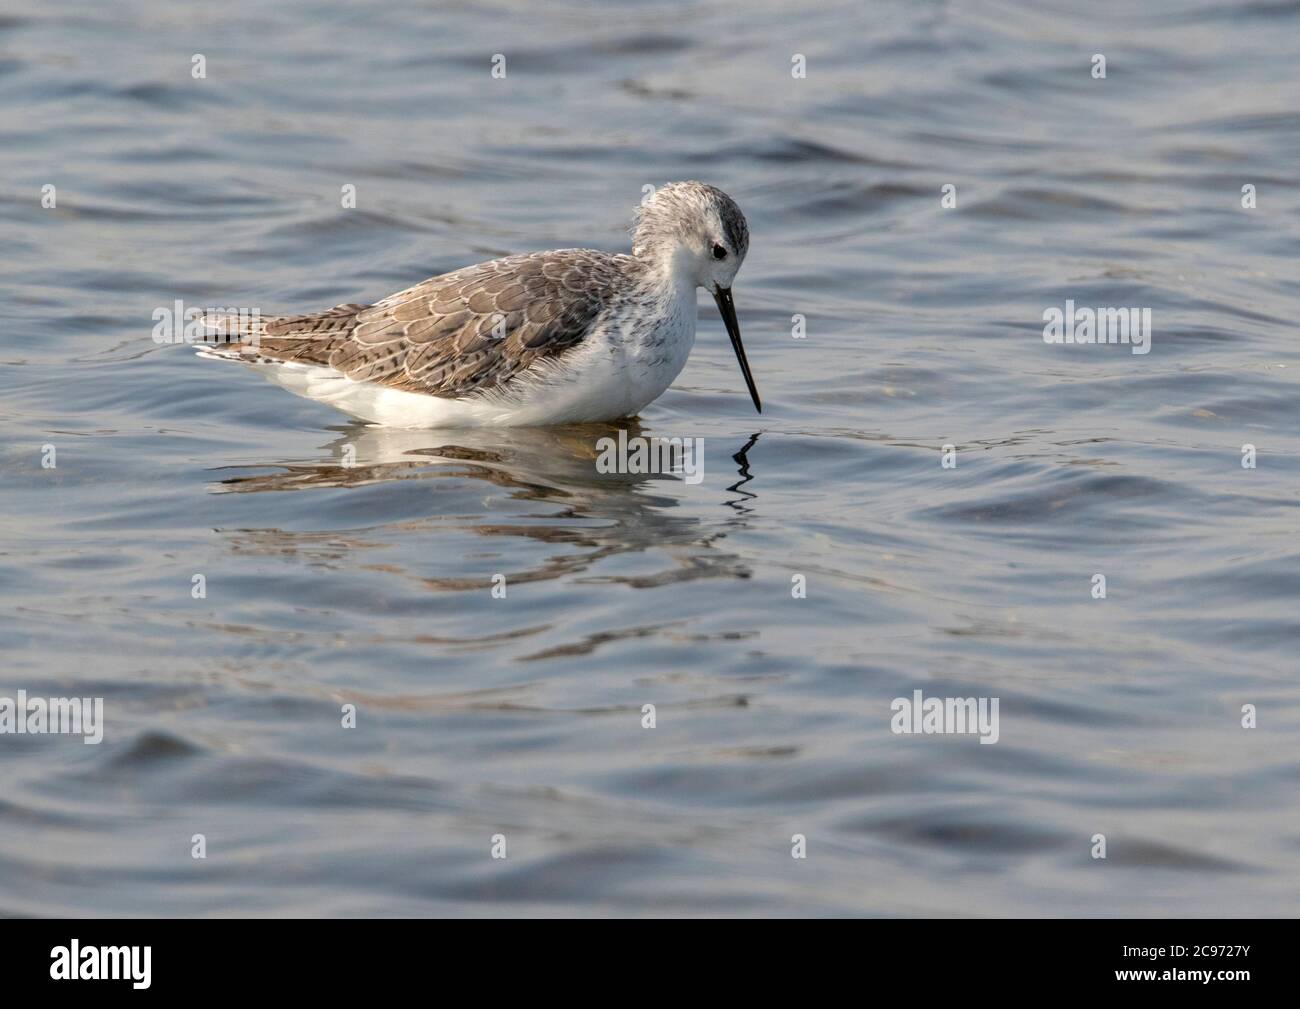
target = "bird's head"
x: 697, y: 235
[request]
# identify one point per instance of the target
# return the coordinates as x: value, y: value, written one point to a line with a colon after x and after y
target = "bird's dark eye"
x: 719, y: 252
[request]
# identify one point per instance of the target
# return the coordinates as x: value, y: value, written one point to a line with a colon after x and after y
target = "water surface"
x: 370, y: 585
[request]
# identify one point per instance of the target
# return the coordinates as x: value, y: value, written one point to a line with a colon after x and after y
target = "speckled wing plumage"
x: 469, y: 331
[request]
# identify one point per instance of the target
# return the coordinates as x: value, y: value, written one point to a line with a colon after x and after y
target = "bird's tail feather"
x: 243, y: 334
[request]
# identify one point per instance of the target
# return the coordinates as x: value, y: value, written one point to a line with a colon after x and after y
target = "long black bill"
x: 722, y: 295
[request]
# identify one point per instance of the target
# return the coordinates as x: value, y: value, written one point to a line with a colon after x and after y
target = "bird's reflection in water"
x: 592, y: 514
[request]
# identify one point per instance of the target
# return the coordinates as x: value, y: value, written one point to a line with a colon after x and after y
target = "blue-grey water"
x: 370, y: 585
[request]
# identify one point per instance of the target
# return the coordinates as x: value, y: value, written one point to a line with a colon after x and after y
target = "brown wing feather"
x: 462, y: 332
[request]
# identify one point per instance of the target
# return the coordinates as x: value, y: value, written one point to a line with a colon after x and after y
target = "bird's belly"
x: 594, y: 386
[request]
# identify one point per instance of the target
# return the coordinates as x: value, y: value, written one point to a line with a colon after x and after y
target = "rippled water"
x: 371, y: 585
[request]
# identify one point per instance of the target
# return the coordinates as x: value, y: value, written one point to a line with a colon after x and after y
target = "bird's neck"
x: 670, y: 270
